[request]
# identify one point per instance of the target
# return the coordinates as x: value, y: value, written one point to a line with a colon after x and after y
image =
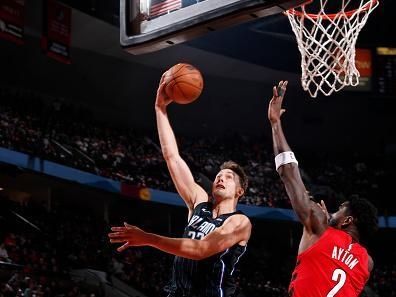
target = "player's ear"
x: 348, y: 220
x: 240, y: 192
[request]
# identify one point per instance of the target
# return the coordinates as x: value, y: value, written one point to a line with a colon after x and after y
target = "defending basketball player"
x: 216, y: 234
x: 331, y: 261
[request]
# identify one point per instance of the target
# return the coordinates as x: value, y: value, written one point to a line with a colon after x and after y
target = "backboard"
x: 150, y: 25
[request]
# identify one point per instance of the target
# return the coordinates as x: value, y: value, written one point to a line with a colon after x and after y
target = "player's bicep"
x: 184, y: 182
x: 309, y: 213
x: 235, y: 230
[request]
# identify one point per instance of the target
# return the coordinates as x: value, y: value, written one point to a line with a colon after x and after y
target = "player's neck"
x: 224, y: 206
x: 353, y: 232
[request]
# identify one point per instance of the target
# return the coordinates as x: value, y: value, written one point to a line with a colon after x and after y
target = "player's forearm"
x: 279, y: 140
x: 182, y: 247
x: 165, y: 133
x: 290, y: 174
x: 286, y: 171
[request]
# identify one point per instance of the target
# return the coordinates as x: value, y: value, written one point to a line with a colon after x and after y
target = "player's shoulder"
x: 240, y: 218
x: 333, y: 235
x: 240, y: 213
x: 241, y: 223
x: 336, y: 232
x: 343, y: 237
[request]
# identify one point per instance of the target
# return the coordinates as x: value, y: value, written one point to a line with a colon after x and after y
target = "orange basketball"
x: 184, y: 83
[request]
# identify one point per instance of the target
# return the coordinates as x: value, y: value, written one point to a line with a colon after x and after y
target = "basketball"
x: 184, y: 83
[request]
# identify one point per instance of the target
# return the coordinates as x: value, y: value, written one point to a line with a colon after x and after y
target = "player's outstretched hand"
x: 162, y: 99
x: 323, y: 207
x: 128, y: 235
x: 275, y: 110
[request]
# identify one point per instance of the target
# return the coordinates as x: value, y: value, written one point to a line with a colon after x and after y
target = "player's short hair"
x: 364, y: 215
x: 243, y: 178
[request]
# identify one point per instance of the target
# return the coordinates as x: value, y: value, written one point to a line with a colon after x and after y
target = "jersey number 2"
x: 339, y: 276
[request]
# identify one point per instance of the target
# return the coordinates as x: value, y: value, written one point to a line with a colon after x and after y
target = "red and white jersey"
x: 334, y: 266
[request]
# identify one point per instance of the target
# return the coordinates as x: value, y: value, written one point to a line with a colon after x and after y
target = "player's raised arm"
x: 309, y: 213
x: 182, y: 177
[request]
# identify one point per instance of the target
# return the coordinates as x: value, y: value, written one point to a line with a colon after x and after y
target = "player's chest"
x: 201, y: 225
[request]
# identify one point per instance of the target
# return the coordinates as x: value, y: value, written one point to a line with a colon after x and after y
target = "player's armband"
x: 285, y: 158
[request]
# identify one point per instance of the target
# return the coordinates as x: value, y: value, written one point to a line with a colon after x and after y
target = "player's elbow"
x: 209, y: 248
x: 202, y: 252
x: 168, y: 154
x: 205, y: 250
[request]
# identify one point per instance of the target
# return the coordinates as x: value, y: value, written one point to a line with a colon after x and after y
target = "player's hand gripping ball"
x: 183, y: 83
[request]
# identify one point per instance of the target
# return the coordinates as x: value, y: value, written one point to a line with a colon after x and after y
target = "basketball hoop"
x: 326, y: 32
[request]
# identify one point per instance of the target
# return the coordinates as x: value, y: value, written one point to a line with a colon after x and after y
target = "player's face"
x: 341, y: 218
x: 226, y: 185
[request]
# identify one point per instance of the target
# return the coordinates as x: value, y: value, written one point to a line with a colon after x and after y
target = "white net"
x: 327, y: 40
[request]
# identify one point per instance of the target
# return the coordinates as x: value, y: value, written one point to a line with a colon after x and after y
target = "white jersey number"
x: 339, y: 276
x: 195, y: 235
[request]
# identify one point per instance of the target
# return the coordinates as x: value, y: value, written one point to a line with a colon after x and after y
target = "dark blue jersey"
x: 211, y: 277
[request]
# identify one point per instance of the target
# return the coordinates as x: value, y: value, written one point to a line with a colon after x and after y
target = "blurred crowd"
x: 383, y: 279
x: 58, y: 131
x: 36, y: 261
x: 72, y: 238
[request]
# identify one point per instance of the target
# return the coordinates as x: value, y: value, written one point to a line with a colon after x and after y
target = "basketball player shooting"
x: 216, y: 234
x: 331, y: 261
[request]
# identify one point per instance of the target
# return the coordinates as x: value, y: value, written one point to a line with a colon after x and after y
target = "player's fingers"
x: 163, y: 92
x: 123, y: 237
x: 282, y: 111
x: 163, y: 77
x: 118, y: 228
x: 127, y: 225
x: 117, y: 234
x: 280, y: 84
x: 323, y: 205
x: 123, y: 247
x: 114, y: 234
x: 118, y: 240
x: 279, y: 92
x: 322, y: 208
x: 279, y: 88
x: 274, y: 92
x: 283, y: 89
x: 161, y: 87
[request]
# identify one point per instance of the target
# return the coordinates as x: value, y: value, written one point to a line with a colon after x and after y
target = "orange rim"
x: 332, y: 16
